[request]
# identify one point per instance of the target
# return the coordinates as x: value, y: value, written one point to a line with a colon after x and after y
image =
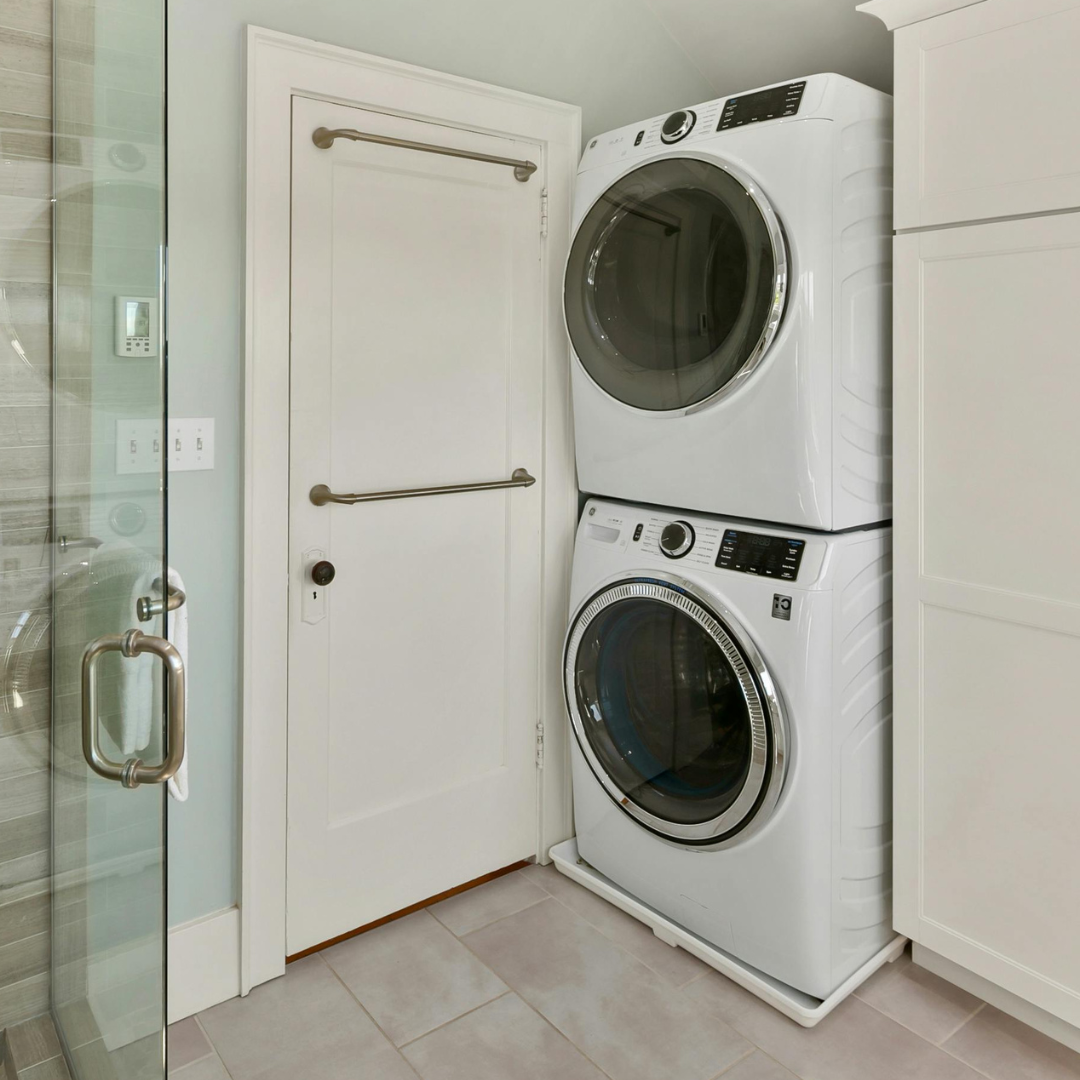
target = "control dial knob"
x: 677, y: 539
x: 677, y: 126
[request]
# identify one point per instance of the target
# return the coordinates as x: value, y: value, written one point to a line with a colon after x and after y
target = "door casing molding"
x: 279, y: 67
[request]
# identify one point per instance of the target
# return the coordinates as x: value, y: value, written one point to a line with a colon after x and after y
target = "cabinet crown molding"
x: 897, y: 13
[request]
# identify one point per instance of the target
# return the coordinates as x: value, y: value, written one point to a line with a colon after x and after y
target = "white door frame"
x: 280, y: 66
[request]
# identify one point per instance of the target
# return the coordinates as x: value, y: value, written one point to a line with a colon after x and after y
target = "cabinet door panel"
x: 986, y: 113
x: 987, y: 602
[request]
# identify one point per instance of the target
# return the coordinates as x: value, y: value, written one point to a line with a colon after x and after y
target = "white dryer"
x: 728, y: 298
x: 728, y: 685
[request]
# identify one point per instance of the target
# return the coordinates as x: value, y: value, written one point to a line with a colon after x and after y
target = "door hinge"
x: 543, y: 212
x: 539, y: 744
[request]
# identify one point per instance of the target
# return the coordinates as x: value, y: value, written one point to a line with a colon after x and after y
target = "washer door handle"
x: 133, y: 772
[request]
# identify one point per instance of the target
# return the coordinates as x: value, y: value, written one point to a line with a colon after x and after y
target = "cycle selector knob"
x: 677, y: 126
x: 677, y: 539
x: 322, y: 573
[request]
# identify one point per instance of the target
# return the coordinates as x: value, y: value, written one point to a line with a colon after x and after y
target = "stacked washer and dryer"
x: 727, y: 667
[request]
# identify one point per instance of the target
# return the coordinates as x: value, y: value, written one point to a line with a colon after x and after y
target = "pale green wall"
x: 611, y: 57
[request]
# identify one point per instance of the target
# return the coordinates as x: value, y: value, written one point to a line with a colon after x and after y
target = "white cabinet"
x: 987, y: 602
x: 986, y: 111
x: 986, y: 448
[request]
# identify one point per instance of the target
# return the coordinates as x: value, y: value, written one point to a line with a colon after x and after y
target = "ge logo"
x: 781, y: 607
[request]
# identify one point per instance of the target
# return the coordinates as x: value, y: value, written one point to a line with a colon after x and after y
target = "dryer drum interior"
x: 675, y: 712
x: 675, y: 285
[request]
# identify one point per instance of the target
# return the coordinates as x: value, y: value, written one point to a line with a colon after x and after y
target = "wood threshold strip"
x: 458, y: 889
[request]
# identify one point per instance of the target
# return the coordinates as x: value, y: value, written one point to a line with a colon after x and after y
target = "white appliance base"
x: 800, y: 1007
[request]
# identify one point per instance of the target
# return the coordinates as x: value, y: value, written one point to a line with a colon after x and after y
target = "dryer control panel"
x: 772, y: 104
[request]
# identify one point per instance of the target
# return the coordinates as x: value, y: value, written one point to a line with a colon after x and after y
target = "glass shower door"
x: 115, y: 679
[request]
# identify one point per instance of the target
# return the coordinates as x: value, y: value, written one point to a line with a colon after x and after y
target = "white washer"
x: 728, y: 298
x: 729, y: 688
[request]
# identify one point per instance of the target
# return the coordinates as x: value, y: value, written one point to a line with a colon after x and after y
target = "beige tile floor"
x: 531, y: 977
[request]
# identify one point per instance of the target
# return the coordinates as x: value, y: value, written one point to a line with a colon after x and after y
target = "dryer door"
x: 675, y: 285
x: 675, y: 711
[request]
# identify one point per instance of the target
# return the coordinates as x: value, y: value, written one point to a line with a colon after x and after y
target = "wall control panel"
x: 756, y: 553
x: 771, y: 104
x: 135, y: 322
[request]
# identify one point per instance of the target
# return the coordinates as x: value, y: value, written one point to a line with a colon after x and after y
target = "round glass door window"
x: 675, y: 285
x: 676, y: 717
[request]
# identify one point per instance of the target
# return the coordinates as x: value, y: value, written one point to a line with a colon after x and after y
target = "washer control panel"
x: 678, y: 540
x: 771, y: 104
x: 756, y: 553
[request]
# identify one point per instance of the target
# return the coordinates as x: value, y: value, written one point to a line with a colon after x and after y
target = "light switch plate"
x: 191, y: 444
x: 138, y: 446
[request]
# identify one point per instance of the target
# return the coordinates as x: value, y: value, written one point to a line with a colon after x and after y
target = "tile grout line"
x: 668, y: 987
x: 498, y: 919
x: 754, y: 1049
x: 360, y: 1006
x: 213, y: 1048
x: 588, y: 922
x: 963, y: 1023
x: 528, y: 1004
x: 455, y: 1019
x: 709, y: 969
x: 930, y: 1042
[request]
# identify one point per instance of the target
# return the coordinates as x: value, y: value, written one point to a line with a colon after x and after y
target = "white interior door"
x: 416, y: 361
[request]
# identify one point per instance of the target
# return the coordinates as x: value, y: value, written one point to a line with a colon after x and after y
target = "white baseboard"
x: 1004, y: 1000
x: 204, y: 963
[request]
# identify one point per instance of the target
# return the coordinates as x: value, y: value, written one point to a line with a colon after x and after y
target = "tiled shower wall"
x: 25, y: 478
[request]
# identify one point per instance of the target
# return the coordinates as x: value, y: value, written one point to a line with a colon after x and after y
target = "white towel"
x: 140, y: 678
x: 178, y: 635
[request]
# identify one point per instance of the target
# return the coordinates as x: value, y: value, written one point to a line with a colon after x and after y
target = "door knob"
x: 322, y: 573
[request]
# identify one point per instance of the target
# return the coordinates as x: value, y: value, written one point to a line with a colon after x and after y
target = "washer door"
x: 675, y: 285
x: 674, y: 711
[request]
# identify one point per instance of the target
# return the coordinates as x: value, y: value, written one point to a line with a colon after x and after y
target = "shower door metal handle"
x: 133, y: 772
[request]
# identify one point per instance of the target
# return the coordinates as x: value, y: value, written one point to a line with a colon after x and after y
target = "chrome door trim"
x: 133, y: 772
x: 759, y: 796
x: 781, y: 259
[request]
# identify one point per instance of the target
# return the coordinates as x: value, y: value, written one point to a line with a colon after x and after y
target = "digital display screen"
x: 755, y: 553
x: 137, y: 318
x: 765, y: 105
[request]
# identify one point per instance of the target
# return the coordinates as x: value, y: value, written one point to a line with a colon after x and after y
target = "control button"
x: 677, y: 539
x: 677, y: 126
x: 640, y: 136
x: 637, y: 531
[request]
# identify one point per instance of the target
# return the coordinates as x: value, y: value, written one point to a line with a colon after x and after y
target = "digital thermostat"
x: 136, y: 326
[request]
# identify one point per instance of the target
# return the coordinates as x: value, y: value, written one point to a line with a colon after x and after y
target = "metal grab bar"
x: 321, y: 495
x: 324, y: 138
x: 148, y: 608
x: 133, y: 772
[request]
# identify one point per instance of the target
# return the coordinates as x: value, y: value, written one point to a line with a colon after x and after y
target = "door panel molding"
x: 279, y: 68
